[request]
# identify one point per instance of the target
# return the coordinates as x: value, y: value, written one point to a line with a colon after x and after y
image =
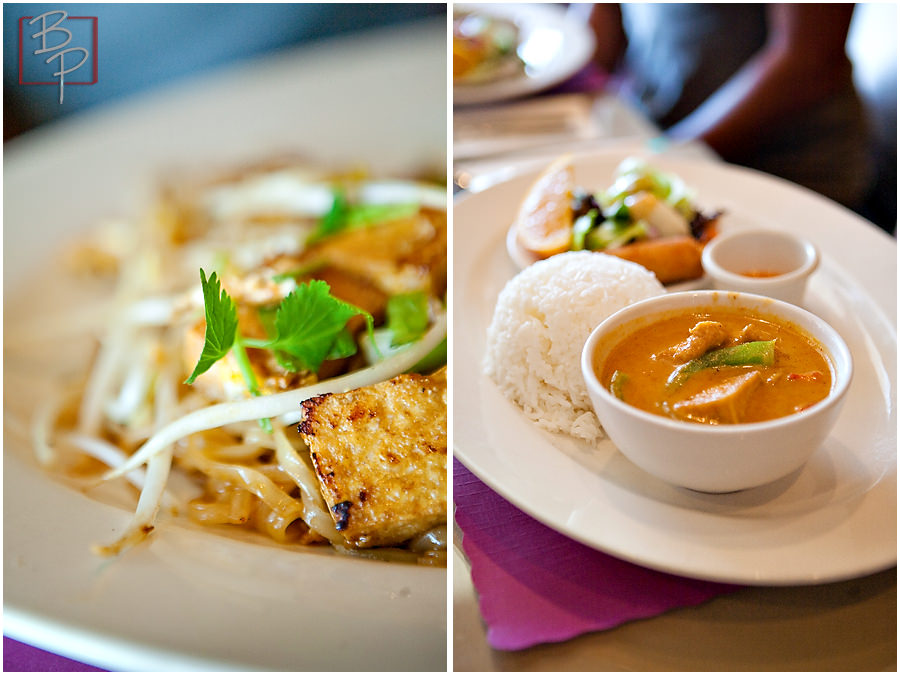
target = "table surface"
x: 849, y: 626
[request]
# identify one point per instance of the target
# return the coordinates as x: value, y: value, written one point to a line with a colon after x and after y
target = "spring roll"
x: 671, y: 259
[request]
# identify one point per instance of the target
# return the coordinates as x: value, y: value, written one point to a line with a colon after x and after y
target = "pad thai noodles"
x: 274, y: 360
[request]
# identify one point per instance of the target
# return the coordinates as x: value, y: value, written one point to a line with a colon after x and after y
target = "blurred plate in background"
x: 551, y: 45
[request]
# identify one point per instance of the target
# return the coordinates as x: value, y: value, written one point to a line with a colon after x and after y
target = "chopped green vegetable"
x: 364, y: 215
x: 221, y: 325
x: 380, y: 348
x: 684, y: 206
x: 612, y: 233
x: 333, y: 221
x: 617, y: 384
x: 600, y: 237
x: 301, y: 271
x: 619, y: 212
x: 407, y: 317
x: 633, y: 182
x: 757, y: 353
x: 582, y: 226
x: 243, y: 361
x: 346, y: 216
x: 635, y: 231
x: 635, y: 175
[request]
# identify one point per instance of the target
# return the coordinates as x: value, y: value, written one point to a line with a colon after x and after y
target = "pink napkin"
x: 19, y: 657
x: 536, y: 585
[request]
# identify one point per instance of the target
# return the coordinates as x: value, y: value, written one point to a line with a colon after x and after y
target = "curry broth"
x: 799, y: 376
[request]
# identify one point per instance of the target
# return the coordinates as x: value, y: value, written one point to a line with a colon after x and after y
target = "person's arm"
x: 605, y: 20
x: 803, y: 62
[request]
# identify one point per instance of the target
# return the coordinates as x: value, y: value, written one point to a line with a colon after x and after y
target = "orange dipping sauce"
x: 760, y: 274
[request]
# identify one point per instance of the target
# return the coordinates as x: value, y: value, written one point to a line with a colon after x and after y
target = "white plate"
x: 553, y: 45
x: 834, y: 519
x: 194, y: 600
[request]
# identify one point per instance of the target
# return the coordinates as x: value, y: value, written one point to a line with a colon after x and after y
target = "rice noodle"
x: 250, y: 479
x: 315, y: 512
x: 235, y: 509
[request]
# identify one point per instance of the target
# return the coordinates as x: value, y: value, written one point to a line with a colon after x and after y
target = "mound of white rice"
x: 543, y: 317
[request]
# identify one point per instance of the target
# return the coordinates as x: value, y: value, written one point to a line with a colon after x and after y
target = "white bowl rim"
x: 712, y: 267
x: 840, y: 381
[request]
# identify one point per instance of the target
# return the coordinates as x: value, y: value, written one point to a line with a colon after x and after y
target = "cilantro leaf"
x: 310, y: 327
x: 221, y: 325
x: 407, y: 317
x: 344, y: 345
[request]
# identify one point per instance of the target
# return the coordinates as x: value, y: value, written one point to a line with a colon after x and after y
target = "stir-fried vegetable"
x: 642, y: 203
x: 634, y: 176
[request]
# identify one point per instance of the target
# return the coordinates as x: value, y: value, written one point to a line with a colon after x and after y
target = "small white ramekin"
x: 728, y: 258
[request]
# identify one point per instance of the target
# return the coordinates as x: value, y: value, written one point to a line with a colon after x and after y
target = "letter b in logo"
x: 53, y: 39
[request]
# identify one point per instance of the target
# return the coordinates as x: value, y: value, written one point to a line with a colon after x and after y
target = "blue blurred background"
x: 143, y: 46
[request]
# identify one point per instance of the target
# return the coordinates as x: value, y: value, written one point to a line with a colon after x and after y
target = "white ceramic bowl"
x: 788, y: 260
x: 715, y: 458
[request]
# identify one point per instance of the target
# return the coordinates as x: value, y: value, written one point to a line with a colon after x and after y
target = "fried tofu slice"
x: 380, y: 454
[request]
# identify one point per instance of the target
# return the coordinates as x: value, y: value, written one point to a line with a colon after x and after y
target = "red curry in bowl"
x: 718, y: 365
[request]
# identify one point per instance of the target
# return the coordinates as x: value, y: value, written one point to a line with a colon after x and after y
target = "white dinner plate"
x: 194, y: 600
x: 552, y: 44
x: 834, y: 519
